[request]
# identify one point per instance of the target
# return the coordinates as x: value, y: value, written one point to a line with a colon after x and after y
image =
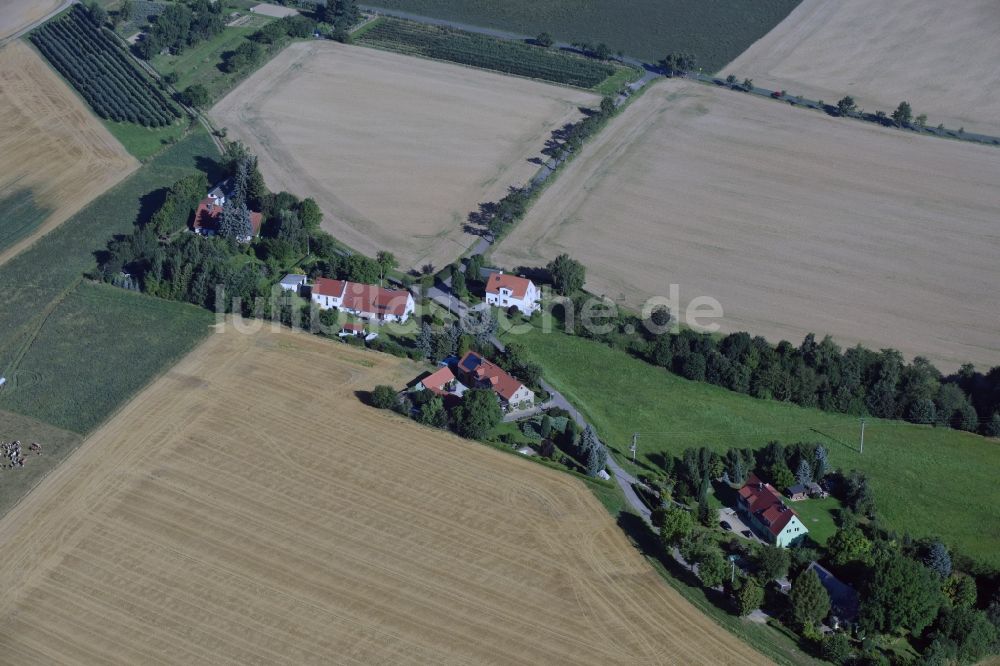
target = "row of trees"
x: 180, y: 25
x: 819, y: 374
x: 101, y: 70
x: 496, y: 217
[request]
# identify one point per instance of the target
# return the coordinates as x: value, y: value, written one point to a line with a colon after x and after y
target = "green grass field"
x: 200, y: 63
x: 817, y: 516
x: 98, y: 348
x: 716, y: 32
x: 43, y: 280
x: 145, y: 142
x: 21, y: 215
x: 927, y: 481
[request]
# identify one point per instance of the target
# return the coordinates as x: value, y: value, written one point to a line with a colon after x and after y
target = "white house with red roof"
x: 366, y: 301
x: 504, y: 291
x: 767, y: 513
x: 477, y: 372
x: 209, y: 213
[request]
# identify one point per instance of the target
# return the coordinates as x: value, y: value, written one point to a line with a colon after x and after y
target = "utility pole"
x: 862, y: 435
x: 635, y: 438
x: 732, y: 574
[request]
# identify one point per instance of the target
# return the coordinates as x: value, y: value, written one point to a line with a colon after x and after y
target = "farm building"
x: 767, y: 513
x: 292, y: 282
x: 363, y: 300
x: 209, y: 213
x: 504, y: 291
x: 476, y: 371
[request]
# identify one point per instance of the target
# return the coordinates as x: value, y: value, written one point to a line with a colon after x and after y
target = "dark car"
x: 747, y: 533
x: 724, y: 525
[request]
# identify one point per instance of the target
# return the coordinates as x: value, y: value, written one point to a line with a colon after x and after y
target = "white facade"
x: 793, y: 530
x: 504, y: 297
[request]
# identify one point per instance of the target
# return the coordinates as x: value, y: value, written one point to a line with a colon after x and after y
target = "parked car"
x: 747, y: 533
x: 724, y: 525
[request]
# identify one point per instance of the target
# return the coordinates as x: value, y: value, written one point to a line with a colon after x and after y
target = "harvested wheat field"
x: 396, y: 150
x: 16, y: 15
x: 55, y: 156
x: 796, y: 222
x: 247, y: 508
x: 939, y: 56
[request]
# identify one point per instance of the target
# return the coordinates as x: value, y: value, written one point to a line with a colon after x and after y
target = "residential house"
x: 209, y: 213
x: 292, y: 282
x: 766, y: 512
x: 363, y: 300
x: 844, y: 600
x: 505, y: 291
x: 803, y: 491
x: 476, y: 371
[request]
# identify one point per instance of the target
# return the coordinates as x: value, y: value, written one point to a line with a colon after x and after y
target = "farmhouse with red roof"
x: 768, y: 514
x: 209, y: 213
x: 477, y: 372
x: 363, y: 300
x: 504, y: 291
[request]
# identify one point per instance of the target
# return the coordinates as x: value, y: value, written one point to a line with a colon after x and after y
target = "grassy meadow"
x: 22, y: 213
x: 145, y: 142
x: 927, y: 481
x: 41, y: 289
x: 99, y: 347
x: 716, y: 32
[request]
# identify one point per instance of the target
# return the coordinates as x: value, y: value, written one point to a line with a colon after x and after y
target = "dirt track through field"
x: 940, y: 56
x: 247, y: 508
x: 396, y: 150
x: 53, y: 150
x: 794, y: 221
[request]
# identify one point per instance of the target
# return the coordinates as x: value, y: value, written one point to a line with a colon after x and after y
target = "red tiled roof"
x: 764, y: 502
x: 328, y: 287
x: 518, y: 286
x: 354, y: 328
x: 484, y: 371
x: 371, y: 298
x: 208, y: 214
x: 436, y: 381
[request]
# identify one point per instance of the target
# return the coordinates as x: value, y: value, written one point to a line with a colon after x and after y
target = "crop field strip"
x: 716, y: 32
x: 787, y: 219
x: 100, y: 69
x: 326, y: 531
x: 940, y: 57
x: 441, y: 138
x: 15, y: 15
x: 54, y: 155
x: 77, y: 390
x: 467, y: 48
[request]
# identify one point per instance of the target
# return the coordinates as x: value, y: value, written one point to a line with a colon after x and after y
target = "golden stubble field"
x: 51, y: 145
x: 18, y: 14
x: 396, y: 150
x: 940, y: 56
x: 794, y: 221
x: 247, y: 508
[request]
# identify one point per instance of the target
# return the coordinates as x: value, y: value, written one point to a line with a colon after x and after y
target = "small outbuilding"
x: 292, y: 282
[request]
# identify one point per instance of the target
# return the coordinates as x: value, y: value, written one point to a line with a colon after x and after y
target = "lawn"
x: 716, y: 32
x: 200, y: 63
x: 927, y: 481
x: 40, y: 281
x: 817, y: 516
x: 145, y: 142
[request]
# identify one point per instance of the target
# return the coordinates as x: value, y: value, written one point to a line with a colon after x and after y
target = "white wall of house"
x: 326, y: 302
x: 521, y: 396
x: 527, y: 305
x: 793, y: 530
